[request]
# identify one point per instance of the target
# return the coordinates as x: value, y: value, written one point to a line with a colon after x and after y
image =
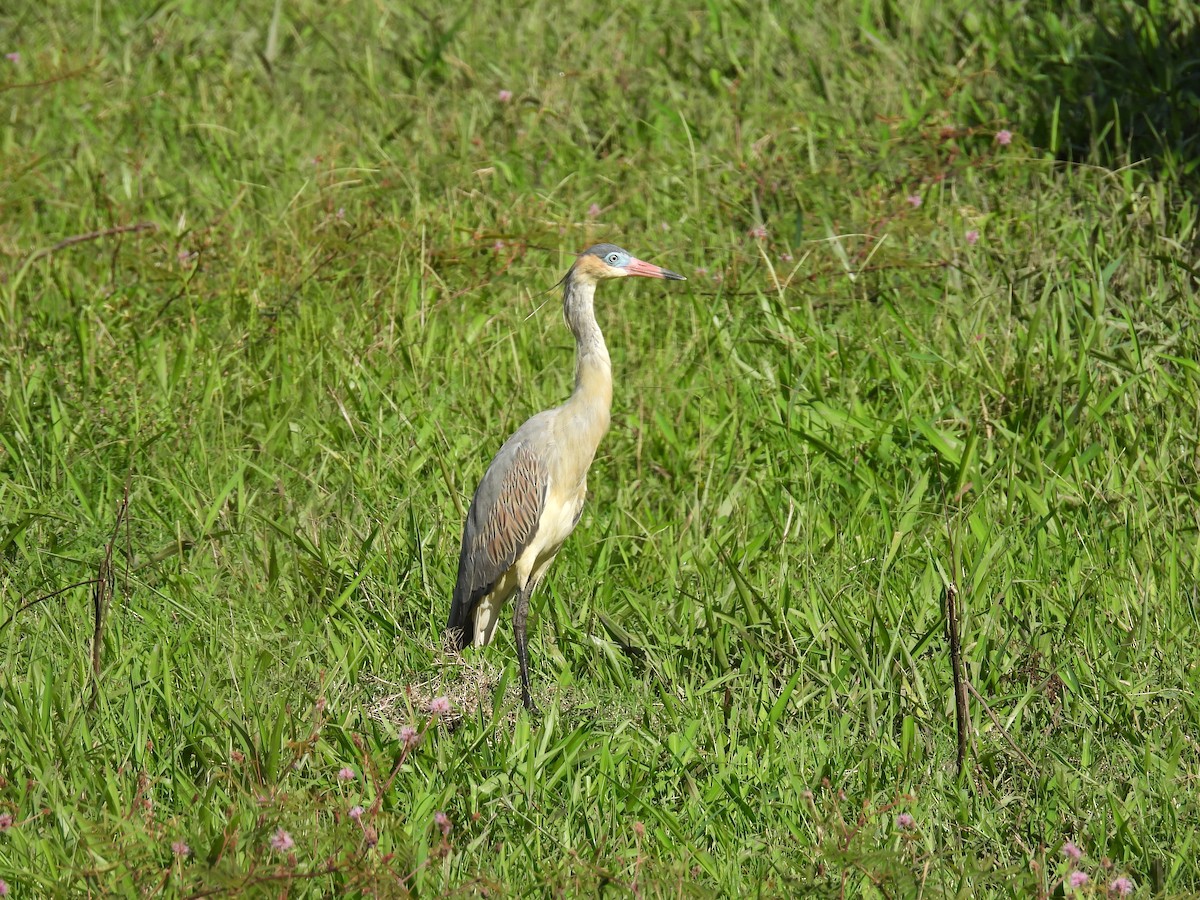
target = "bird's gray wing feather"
x: 503, y: 519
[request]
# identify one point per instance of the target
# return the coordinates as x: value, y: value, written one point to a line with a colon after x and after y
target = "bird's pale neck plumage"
x: 591, y: 401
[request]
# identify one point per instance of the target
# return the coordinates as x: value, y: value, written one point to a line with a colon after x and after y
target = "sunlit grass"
x: 907, y: 353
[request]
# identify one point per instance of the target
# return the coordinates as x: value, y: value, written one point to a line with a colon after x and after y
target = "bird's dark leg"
x: 520, y: 614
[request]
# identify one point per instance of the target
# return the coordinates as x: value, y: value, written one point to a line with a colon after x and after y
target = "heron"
x: 531, y: 497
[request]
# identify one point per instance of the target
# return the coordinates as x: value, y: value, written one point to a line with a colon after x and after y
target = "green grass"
x: 343, y: 303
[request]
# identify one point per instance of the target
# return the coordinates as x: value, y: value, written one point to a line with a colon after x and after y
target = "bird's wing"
x: 503, y: 519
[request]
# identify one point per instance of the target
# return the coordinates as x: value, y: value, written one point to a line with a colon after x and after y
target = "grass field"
x: 277, y: 280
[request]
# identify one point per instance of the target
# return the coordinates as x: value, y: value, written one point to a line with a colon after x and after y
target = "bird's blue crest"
x: 610, y: 254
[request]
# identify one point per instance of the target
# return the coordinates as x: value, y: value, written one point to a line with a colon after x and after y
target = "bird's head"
x: 610, y: 261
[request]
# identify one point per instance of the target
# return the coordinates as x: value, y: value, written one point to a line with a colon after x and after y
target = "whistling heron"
x: 532, y: 494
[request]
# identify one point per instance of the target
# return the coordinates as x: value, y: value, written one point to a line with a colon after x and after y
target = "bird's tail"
x: 460, y: 629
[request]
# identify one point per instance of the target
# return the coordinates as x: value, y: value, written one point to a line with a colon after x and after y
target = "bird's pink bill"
x: 649, y: 270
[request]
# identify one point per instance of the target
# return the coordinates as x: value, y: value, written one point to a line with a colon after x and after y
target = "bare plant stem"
x: 961, y: 721
x: 1000, y: 726
x: 103, y: 590
x: 92, y: 236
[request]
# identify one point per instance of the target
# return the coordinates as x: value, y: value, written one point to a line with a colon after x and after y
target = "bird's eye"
x: 613, y: 259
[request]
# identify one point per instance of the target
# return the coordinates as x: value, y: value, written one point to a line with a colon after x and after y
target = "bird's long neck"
x: 591, y: 402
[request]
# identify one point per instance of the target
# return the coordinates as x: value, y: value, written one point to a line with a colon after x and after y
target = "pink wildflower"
x: 356, y: 812
x: 1070, y: 851
x: 281, y: 841
x: 237, y: 756
x: 759, y: 232
x: 504, y: 96
x: 1122, y: 886
x: 639, y: 829
x: 1004, y: 137
x: 345, y: 774
x: 409, y: 737
x: 180, y: 848
x: 1078, y: 879
x: 785, y: 257
x: 442, y: 821
x: 3, y: 888
x: 6, y: 822
x: 593, y: 210
x: 972, y: 237
x: 12, y: 58
x: 906, y: 821
x: 914, y: 200
x: 439, y: 706
x: 498, y: 246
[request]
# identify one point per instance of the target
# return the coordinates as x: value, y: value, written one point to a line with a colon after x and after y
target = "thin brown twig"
x: 44, y: 598
x: 92, y: 236
x: 57, y: 78
x: 388, y: 784
x: 796, y: 280
x: 996, y: 721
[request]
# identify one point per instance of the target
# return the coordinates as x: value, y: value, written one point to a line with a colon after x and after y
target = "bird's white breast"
x: 557, y: 523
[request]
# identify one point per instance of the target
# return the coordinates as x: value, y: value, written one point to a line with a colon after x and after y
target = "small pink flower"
x: 639, y: 829
x: 504, y: 96
x: 6, y: 822
x: 180, y: 848
x: 281, y: 841
x: 785, y: 257
x: 498, y: 246
x: 1070, y: 851
x: 12, y: 58
x: 442, y: 821
x: 914, y: 200
x: 439, y: 706
x: 1122, y: 886
x: 594, y: 210
x: 759, y: 232
x: 906, y: 821
x: 3, y: 888
x: 972, y: 237
x: 409, y: 737
x: 1004, y: 137
x: 345, y: 774
x: 356, y: 812
x: 237, y: 756
x: 1078, y: 879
